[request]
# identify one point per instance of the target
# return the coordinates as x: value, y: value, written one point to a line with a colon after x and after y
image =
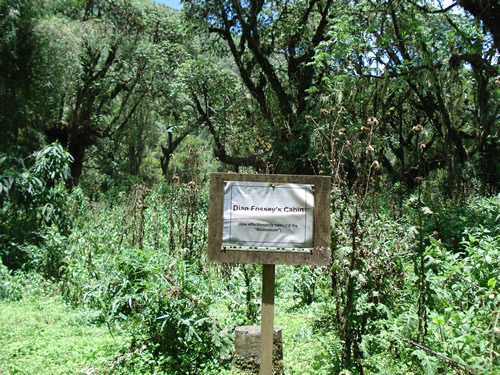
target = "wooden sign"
x: 269, y: 219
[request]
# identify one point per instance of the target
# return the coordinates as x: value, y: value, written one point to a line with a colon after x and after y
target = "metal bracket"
x: 268, y: 249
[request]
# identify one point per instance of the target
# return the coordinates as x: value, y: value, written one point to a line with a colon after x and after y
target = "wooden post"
x: 267, y: 322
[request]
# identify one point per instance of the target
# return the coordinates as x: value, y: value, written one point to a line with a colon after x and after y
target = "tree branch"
x: 428, y: 350
x: 424, y: 9
x: 220, y: 150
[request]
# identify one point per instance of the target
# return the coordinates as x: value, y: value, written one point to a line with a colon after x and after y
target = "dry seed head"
x: 497, y: 81
x: 417, y: 128
x: 372, y: 121
x: 341, y: 131
x: 324, y: 111
x: 369, y: 148
x: 364, y: 128
x: 175, y: 290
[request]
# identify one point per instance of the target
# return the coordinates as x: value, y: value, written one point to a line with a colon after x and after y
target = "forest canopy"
x: 120, y: 84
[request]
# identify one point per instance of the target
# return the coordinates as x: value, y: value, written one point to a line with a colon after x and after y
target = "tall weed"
x: 464, y: 301
x: 140, y: 262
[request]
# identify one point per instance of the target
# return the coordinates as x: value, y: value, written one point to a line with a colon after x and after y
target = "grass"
x: 303, y: 350
x: 42, y: 335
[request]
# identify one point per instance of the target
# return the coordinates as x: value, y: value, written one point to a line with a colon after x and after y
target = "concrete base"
x: 247, y: 347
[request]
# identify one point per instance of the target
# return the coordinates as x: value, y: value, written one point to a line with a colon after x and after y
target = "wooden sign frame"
x: 318, y: 254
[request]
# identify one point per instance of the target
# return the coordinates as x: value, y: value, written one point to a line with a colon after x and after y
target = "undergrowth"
x: 135, y: 266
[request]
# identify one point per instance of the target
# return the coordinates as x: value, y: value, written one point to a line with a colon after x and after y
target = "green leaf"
x: 429, y: 364
x: 492, y: 282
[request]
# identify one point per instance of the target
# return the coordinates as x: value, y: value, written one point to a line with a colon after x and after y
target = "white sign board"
x: 260, y: 216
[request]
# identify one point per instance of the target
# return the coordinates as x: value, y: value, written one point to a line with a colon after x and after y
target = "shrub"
x: 137, y: 261
x: 463, y: 303
x: 31, y: 200
x: 16, y: 285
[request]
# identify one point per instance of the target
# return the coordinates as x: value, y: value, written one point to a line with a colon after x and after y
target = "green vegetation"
x: 113, y: 115
x: 170, y: 311
x: 42, y: 335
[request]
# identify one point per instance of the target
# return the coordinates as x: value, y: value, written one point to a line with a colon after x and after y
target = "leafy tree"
x: 126, y: 52
x: 428, y: 77
x: 272, y: 45
x: 18, y: 20
x: 31, y: 200
x: 216, y: 97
